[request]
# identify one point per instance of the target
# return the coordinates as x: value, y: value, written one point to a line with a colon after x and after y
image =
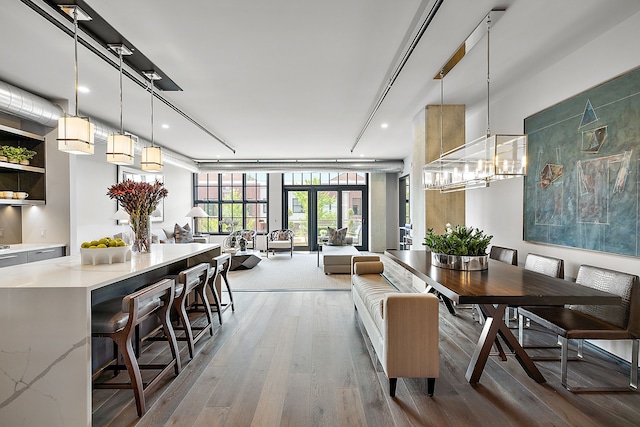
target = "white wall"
x: 498, y: 210
x: 92, y: 209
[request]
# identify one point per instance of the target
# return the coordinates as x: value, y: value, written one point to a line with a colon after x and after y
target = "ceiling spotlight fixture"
x: 384, y: 125
x: 75, y: 133
x: 120, y: 145
x: 165, y: 126
x: 83, y: 89
x: 151, y: 155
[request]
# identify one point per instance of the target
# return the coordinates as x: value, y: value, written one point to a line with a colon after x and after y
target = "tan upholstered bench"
x: 402, y: 327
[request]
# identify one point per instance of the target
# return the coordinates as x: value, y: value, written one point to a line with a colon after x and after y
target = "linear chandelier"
x: 475, y: 164
x: 120, y: 145
x: 75, y: 133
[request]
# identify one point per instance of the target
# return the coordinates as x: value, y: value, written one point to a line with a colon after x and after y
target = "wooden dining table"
x: 494, y: 289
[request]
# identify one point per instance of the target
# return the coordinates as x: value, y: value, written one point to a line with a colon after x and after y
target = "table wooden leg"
x: 521, y: 355
x: 493, y: 326
x: 497, y: 343
x: 483, y: 348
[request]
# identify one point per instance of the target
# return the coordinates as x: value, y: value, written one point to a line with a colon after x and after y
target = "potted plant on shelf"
x: 459, y: 248
x: 17, y: 154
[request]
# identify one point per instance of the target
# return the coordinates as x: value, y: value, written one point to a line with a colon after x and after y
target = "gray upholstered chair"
x: 546, y: 265
x: 506, y: 255
x: 549, y: 266
x: 600, y: 322
x: 117, y: 319
x: 280, y: 241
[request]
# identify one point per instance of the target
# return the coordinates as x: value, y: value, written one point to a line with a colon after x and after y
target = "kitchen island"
x: 45, y: 328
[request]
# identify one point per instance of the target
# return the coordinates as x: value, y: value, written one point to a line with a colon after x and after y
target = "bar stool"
x: 117, y: 319
x: 220, y: 267
x: 191, y: 280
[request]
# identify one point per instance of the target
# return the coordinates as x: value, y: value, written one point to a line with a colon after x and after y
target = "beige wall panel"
x: 443, y: 208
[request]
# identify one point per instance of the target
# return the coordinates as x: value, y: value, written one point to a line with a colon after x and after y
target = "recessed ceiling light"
x: 83, y: 89
x: 165, y: 126
x: 361, y: 155
x: 218, y: 155
x: 384, y: 125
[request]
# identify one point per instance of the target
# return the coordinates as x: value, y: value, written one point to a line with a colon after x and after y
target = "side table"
x: 245, y: 260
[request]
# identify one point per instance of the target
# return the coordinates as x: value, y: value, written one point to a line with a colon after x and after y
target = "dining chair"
x: 549, y: 266
x: 508, y: 256
x: 502, y: 254
x: 599, y: 322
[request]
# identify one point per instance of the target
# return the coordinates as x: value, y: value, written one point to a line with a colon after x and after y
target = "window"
x: 324, y: 178
x: 234, y: 201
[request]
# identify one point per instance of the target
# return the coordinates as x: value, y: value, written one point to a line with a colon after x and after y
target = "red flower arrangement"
x: 139, y: 200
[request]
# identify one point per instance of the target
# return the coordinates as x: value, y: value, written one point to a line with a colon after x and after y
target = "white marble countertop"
x: 25, y: 247
x: 69, y: 272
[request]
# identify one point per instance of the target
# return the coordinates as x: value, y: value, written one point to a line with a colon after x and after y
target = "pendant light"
x: 151, y: 155
x: 477, y: 163
x: 75, y: 133
x: 120, y: 145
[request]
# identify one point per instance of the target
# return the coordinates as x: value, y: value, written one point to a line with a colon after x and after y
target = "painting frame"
x: 584, y: 162
x: 138, y: 175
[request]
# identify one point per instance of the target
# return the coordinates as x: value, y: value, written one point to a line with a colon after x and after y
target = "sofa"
x: 402, y: 327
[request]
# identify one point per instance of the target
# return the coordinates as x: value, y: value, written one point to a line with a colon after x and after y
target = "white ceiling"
x: 295, y: 79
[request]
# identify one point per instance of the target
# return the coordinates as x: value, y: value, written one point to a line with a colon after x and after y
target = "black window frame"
x: 215, y: 207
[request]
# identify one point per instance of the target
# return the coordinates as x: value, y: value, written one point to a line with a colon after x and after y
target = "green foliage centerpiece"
x: 459, y: 248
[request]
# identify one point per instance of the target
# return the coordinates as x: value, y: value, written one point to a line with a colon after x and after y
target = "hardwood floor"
x: 299, y: 359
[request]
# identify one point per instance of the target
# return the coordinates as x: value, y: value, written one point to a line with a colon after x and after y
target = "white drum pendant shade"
x: 75, y: 135
x: 120, y: 149
x: 151, y: 159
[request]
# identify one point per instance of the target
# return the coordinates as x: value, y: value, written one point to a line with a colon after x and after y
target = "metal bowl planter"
x: 456, y: 262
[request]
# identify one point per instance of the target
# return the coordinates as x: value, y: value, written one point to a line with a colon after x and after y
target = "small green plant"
x: 17, y: 154
x: 459, y: 241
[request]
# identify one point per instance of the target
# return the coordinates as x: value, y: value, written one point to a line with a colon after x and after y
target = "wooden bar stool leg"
x: 207, y: 308
x: 128, y: 354
x: 226, y: 281
x: 184, y: 319
x: 170, y: 334
x: 216, y: 300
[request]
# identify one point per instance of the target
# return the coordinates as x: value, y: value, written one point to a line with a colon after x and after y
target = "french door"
x: 309, y: 211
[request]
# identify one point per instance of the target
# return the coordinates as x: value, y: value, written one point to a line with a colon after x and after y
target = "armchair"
x: 280, y: 241
x: 249, y: 237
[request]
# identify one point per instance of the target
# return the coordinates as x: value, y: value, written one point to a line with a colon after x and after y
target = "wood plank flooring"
x: 300, y: 359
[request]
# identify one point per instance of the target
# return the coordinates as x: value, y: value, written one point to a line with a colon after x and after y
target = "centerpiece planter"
x: 460, y: 262
x: 459, y: 248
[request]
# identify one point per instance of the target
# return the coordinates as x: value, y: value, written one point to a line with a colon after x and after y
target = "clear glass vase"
x: 141, y: 227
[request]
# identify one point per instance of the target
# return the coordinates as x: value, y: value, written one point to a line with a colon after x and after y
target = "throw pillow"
x: 182, y: 234
x: 337, y: 237
x: 168, y: 232
x: 282, y: 235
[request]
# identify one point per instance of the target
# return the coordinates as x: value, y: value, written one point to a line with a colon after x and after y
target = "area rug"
x: 284, y: 273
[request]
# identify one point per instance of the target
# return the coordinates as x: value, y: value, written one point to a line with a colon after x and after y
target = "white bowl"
x: 105, y: 255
